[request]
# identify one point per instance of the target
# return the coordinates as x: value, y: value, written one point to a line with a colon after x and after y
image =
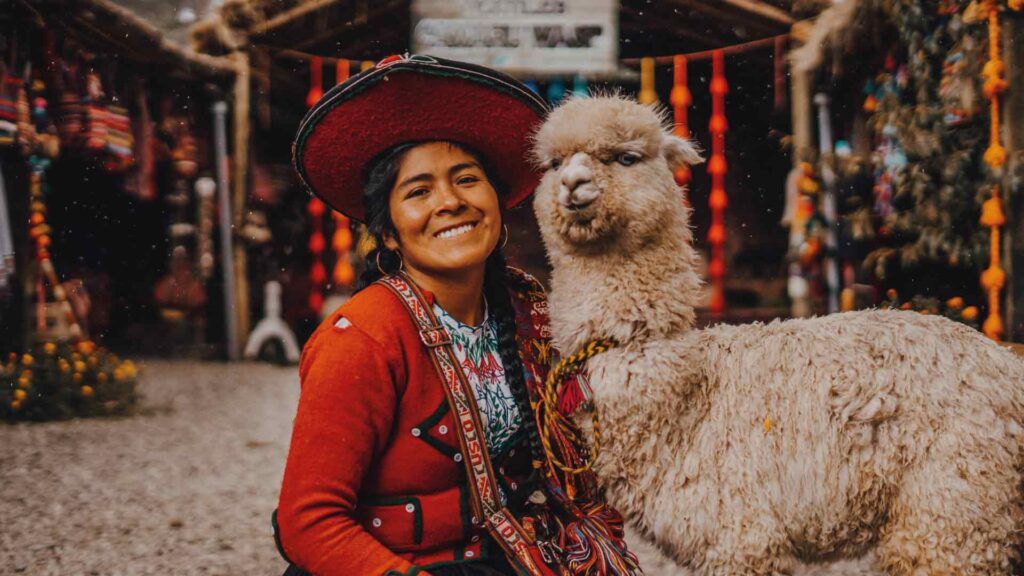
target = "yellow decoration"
x: 994, y: 85
x: 847, y: 299
x: 647, y: 93
x: 993, y: 278
x: 79, y: 366
x: 87, y: 391
x: 15, y: 405
x: 27, y: 359
x: 955, y: 303
x: 970, y: 313
x: 23, y: 382
x: 19, y: 394
x: 49, y: 348
x: 76, y: 377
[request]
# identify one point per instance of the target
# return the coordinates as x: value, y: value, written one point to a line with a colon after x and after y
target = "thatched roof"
x: 104, y: 26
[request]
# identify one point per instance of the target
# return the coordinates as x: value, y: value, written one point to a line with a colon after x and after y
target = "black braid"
x: 499, y: 302
x: 380, y: 178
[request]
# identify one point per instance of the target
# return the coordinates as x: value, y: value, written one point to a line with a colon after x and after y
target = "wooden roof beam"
x: 289, y: 16
x: 724, y: 15
x: 762, y: 10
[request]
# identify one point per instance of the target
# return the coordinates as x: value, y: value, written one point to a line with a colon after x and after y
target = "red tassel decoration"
x: 341, y: 69
x: 344, y: 275
x: 681, y: 99
x: 717, y: 168
x: 316, y: 81
x: 317, y: 244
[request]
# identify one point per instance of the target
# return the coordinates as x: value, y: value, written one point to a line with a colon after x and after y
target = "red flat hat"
x: 416, y: 99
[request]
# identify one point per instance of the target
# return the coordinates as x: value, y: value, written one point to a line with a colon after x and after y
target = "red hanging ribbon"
x: 341, y: 71
x: 681, y: 99
x: 717, y: 168
x: 316, y: 81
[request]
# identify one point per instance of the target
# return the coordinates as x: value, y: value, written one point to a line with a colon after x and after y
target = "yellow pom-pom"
x: 87, y: 391
x: 49, y: 348
x: 992, y: 213
x: 993, y: 278
x: 27, y: 359
x: 1015, y: 4
x: 995, y: 156
x: 20, y: 394
x: 955, y: 303
x: 970, y: 313
x: 993, y: 326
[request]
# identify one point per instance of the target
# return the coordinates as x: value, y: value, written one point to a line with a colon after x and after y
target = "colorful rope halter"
x: 556, y: 429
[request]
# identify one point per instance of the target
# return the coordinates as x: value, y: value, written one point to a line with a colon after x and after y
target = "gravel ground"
x: 187, y: 487
x: 184, y: 488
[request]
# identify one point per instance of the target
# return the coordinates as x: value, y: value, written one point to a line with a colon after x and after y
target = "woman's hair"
x: 380, y: 179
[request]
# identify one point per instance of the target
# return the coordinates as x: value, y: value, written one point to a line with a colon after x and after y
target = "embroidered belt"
x: 484, y: 496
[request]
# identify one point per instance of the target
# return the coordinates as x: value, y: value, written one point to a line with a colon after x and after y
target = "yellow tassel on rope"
x: 555, y: 427
x: 647, y: 94
x: 993, y: 278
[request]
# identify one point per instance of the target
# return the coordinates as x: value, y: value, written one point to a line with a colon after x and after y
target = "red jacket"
x: 374, y: 483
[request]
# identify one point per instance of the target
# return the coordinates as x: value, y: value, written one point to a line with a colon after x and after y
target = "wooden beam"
x: 762, y: 10
x: 725, y: 16
x: 240, y: 189
x: 1013, y: 132
x: 289, y: 16
x: 637, y: 22
x: 339, y: 32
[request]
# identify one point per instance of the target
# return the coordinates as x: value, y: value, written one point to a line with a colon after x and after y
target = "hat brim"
x: 417, y: 99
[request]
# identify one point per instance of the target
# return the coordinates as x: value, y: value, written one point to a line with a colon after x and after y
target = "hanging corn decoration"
x: 341, y: 71
x: 40, y: 231
x: 717, y: 169
x: 647, y: 94
x: 993, y: 278
x: 344, y: 275
x: 317, y: 243
x: 994, y: 85
x: 681, y: 99
x: 316, y: 81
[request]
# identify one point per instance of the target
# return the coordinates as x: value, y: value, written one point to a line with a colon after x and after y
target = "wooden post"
x: 1013, y: 135
x: 240, y: 188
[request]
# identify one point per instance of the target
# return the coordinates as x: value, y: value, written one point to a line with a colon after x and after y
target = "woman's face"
x: 446, y: 214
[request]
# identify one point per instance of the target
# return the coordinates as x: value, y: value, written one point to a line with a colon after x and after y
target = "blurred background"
x: 862, y: 153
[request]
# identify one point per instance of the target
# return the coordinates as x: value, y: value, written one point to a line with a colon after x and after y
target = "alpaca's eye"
x: 627, y: 158
x: 555, y: 163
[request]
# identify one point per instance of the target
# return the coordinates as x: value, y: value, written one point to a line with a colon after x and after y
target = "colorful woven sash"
x: 485, y: 498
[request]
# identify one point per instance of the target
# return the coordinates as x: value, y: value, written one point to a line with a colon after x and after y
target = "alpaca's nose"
x: 576, y: 172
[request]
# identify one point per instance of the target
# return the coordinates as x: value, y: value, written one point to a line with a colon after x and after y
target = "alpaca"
x: 758, y: 449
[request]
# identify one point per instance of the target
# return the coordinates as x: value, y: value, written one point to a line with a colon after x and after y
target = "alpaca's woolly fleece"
x: 895, y: 438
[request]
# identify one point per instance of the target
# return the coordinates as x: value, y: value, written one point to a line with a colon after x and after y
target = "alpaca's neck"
x: 632, y: 296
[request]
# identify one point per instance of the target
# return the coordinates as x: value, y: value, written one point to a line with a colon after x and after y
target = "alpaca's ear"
x: 679, y: 151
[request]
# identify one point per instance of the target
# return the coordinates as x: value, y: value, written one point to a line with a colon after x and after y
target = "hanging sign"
x: 541, y: 37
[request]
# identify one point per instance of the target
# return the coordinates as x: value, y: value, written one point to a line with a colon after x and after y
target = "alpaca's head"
x: 608, y: 181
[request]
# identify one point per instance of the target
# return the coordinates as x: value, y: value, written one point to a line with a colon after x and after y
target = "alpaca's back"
x: 841, y: 408
x: 818, y: 426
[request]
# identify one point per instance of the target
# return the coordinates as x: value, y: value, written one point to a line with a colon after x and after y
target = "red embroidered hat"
x: 416, y: 99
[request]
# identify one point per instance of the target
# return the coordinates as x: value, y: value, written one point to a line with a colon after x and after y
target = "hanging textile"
x: 6, y: 241
x: 717, y: 169
x: 556, y: 91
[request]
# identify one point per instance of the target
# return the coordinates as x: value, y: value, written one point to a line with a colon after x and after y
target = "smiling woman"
x: 415, y: 448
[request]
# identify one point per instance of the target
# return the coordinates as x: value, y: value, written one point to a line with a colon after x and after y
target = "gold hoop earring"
x: 504, y: 242
x: 401, y: 261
